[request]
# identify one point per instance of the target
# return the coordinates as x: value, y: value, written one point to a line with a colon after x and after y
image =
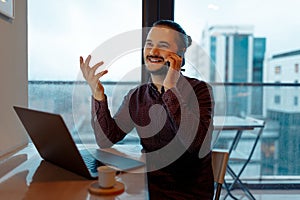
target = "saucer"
x: 118, y: 188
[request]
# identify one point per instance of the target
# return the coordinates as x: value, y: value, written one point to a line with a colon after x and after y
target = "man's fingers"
x: 175, y: 61
x: 86, y: 69
x: 102, y: 73
x: 95, y: 67
x: 87, y: 60
x: 81, y: 63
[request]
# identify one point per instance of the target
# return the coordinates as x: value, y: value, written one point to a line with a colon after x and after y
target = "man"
x: 173, y: 116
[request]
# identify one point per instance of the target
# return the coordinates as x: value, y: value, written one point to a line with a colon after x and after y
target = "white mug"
x: 106, y: 176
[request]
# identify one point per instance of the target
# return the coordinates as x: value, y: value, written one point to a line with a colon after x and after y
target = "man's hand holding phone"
x: 174, y: 62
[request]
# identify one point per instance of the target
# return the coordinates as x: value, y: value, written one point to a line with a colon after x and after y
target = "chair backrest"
x: 219, y: 165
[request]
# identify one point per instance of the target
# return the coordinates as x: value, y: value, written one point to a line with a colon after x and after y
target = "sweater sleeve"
x: 192, y: 116
x: 109, y: 130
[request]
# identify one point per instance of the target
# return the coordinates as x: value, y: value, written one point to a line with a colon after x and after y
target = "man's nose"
x: 154, y: 51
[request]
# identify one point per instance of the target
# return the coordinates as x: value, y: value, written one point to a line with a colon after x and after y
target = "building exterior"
x: 282, y: 105
x: 236, y: 56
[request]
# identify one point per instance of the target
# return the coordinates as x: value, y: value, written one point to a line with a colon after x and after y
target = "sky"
x: 277, y: 20
x: 61, y: 31
x: 67, y: 29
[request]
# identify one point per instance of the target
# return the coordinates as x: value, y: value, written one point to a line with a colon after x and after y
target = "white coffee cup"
x: 106, y: 176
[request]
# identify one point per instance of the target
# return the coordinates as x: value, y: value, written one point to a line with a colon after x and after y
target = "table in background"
x: 233, y: 123
x: 239, y: 125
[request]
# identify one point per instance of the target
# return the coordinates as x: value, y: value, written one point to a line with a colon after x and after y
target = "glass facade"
x: 213, y: 47
x: 240, y: 58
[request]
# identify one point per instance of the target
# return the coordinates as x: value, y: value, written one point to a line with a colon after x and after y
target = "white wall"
x: 287, y: 75
x: 13, y: 77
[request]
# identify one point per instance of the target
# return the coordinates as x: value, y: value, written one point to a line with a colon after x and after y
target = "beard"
x: 162, y: 71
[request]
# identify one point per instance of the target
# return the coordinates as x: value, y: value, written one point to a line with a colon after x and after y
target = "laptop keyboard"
x: 90, y: 161
x: 105, y: 158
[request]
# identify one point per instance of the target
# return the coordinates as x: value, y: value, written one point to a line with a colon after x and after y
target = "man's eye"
x: 164, y: 46
x: 148, y: 44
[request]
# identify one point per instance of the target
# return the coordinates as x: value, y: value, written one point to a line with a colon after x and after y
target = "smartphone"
x: 179, y: 53
x: 168, y: 63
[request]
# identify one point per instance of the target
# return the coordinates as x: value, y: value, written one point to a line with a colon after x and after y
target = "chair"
x: 219, y: 164
x: 240, y: 157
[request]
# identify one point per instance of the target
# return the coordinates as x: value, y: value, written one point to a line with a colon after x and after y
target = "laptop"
x: 55, y: 144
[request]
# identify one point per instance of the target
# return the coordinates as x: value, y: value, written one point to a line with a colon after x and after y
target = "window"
x: 258, y: 63
x: 277, y: 99
x: 56, y: 41
x: 296, y: 101
x: 67, y: 29
x: 62, y: 32
x: 277, y: 69
x: 296, y: 68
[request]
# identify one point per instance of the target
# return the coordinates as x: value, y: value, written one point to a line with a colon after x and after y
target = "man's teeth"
x: 155, y: 60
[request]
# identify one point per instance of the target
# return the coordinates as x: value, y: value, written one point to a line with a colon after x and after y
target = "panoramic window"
x: 245, y: 46
x: 241, y: 57
x: 66, y: 30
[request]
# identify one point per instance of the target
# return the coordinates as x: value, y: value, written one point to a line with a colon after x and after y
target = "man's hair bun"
x: 185, y: 39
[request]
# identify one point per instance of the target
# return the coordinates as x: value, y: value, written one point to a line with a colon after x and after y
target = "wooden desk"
x: 24, y: 175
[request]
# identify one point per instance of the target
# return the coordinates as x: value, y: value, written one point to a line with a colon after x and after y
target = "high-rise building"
x: 236, y: 56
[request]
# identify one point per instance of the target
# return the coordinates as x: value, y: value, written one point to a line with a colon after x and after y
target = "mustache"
x: 155, y: 57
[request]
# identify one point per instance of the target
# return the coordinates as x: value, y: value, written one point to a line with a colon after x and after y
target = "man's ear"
x: 181, y: 52
x: 182, y: 64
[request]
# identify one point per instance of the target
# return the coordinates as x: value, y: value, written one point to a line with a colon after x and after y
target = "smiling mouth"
x: 155, y: 59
